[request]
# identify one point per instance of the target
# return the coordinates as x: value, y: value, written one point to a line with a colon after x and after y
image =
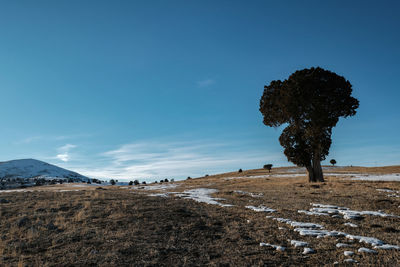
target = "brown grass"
x: 120, y: 227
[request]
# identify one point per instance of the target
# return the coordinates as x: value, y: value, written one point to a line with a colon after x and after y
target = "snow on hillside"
x: 29, y: 168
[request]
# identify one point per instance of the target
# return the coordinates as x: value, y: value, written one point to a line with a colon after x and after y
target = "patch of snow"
x: 159, y: 195
x: 320, y: 209
x: 261, y: 208
x: 202, y: 195
x: 308, y: 251
x: 367, y: 250
x: 364, y: 239
x: 351, y: 224
x: 350, y: 261
x: 342, y: 245
x: 312, y: 213
x: 277, y: 247
x: 297, y: 243
x: 163, y: 187
x: 249, y: 193
x: 387, y: 246
x: 384, y: 177
x: 348, y: 253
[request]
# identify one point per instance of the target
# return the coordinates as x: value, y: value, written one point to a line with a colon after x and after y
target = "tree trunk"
x: 315, y: 170
x: 310, y: 172
x: 318, y: 175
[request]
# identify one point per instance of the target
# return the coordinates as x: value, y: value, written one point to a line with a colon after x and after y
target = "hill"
x: 28, y: 171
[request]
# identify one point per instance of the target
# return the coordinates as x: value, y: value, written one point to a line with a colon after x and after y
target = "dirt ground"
x: 125, y: 226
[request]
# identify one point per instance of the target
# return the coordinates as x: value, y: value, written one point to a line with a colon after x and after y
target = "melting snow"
x: 308, y: 251
x: 366, y: 250
x: 202, y: 195
x: 351, y: 224
x: 260, y: 208
x: 297, y: 243
x: 386, y: 246
x: 277, y: 247
x: 350, y: 261
x: 348, y: 253
x: 384, y: 177
x: 322, y: 209
x: 249, y: 193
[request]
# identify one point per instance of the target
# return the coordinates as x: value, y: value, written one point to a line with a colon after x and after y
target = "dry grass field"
x: 67, y: 225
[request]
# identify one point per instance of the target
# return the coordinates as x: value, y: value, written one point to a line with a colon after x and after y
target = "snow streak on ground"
x: 384, y: 177
x: 202, y: 195
x: 317, y: 230
x: 328, y: 210
x: 260, y: 208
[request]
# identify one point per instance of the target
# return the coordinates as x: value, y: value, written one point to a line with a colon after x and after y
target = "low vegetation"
x: 121, y: 226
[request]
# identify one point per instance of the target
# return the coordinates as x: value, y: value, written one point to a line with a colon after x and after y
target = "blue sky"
x: 141, y: 89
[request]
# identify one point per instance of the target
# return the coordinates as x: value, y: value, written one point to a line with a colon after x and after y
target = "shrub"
x: 333, y: 162
x: 240, y: 170
x: 188, y: 178
x: 130, y: 182
x: 166, y: 180
x: 172, y: 180
x: 136, y: 182
x: 112, y: 182
x: 268, y: 167
x: 144, y: 182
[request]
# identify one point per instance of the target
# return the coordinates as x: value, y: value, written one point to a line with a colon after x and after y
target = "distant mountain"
x: 32, y: 168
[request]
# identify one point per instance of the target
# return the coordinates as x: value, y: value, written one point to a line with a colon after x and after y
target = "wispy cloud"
x: 175, y: 159
x: 205, y: 83
x: 64, y: 152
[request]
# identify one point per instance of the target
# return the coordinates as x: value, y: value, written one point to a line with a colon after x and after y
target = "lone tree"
x: 268, y: 167
x: 310, y: 102
x: 333, y: 162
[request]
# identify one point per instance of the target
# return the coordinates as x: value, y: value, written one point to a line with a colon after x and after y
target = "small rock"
x: 51, y: 226
x: 23, y: 221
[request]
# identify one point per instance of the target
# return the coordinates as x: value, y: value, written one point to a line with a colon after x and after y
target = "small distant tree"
x: 112, y: 182
x: 136, y: 182
x: 161, y: 181
x: 166, y: 180
x: 188, y: 178
x: 144, y: 182
x: 172, y: 180
x: 240, y: 170
x: 268, y: 167
x: 333, y: 162
x: 130, y: 182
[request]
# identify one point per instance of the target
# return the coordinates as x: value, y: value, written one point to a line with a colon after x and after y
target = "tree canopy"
x: 310, y: 102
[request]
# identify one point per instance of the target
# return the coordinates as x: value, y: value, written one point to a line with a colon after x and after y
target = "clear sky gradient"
x: 140, y: 89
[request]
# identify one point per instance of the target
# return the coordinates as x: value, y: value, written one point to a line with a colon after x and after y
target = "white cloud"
x: 64, y: 152
x: 176, y: 160
x: 205, y: 83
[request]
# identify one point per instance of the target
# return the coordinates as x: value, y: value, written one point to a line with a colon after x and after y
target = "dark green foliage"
x: 333, y: 162
x: 130, y: 183
x: 112, y: 182
x: 136, y: 182
x: 310, y: 101
x: 240, y: 170
x: 268, y: 167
